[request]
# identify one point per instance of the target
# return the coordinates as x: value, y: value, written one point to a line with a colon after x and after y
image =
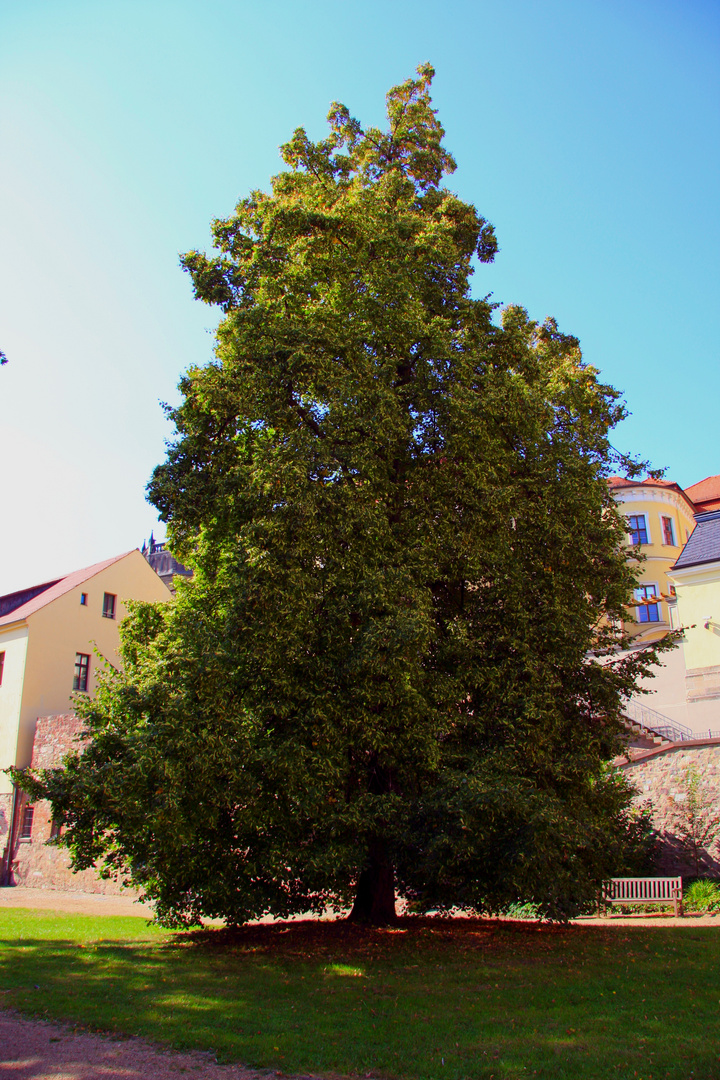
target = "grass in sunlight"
x: 432, y: 998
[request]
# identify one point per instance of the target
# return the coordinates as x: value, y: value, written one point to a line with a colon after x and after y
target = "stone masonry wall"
x: 660, y: 777
x: 36, y: 864
x: 5, y: 812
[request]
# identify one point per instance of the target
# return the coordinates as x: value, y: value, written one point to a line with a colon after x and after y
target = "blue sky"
x: 587, y: 131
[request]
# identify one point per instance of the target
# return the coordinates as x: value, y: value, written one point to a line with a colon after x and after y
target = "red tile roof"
x: 616, y: 482
x: 706, y: 493
x: 59, y: 588
x: 622, y: 481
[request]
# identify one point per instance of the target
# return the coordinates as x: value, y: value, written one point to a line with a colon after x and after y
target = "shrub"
x: 520, y: 910
x: 702, y: 895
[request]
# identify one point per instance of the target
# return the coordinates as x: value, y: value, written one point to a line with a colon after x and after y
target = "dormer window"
x: 109, y: 605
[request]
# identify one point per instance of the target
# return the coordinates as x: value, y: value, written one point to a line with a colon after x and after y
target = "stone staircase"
x: 652, y: 728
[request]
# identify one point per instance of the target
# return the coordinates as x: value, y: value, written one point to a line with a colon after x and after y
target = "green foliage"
x: 391, y: 668
x: 696, y: 820
x: 702, y: 895
x: 521, y: 911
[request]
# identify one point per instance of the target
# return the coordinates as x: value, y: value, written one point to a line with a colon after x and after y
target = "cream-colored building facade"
x: 696, y: 577
x: 679, y: 588
x: 660, y: 520
x: 50, y: 638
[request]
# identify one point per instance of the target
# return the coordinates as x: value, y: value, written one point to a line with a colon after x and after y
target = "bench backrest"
x: 649, y: 888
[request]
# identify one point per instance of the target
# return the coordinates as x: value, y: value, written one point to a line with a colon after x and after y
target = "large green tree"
x: 389, y: 673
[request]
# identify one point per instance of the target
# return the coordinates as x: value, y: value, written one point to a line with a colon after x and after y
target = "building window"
x: 2, y: 666
x: 637, y: 527
x: 82, y: 669
x: 668, y: 531
x: 27, y: 822
x: 647, y: 611
x: 55, y: 829
x: 83, y: 599
x: 109, y: 605
x: 673, y: 591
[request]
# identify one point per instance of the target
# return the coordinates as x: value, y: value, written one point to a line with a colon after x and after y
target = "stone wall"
x: 6, y: 802
x: 661, y: 778
x: 5, y: 812
x: 35, y: 863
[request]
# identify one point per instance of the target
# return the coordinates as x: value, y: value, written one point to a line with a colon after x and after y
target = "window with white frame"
x: 648, y: 609
x: 637, y: 527
x: 668, y: 531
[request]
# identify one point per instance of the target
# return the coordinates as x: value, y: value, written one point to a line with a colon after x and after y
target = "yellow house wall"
x: 13, y: 642
x: 64, y: 627
x: 699, y: 600
x: 656, y: 503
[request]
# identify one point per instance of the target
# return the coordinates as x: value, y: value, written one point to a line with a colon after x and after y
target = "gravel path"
x: 693, y: 918
x: 79, y: 903
x: 83, y: 903
x: 36, y: 1050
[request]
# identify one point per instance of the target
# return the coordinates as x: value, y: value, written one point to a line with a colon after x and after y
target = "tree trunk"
x: 375, y: 895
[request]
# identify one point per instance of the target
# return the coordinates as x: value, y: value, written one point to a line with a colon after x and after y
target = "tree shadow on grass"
x: 428, y: 999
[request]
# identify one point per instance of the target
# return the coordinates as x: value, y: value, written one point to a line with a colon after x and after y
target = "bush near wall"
x: 35, y: 863
x: 663, y: 778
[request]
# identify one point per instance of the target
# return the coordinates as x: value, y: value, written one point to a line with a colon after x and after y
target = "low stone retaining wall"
x: 5, y: 815
x: 661, y: 778
x: 34, y: 863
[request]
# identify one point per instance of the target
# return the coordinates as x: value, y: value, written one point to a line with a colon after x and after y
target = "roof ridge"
x: 58, y: 588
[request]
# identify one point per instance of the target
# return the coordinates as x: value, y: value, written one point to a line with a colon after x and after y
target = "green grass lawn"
x: 433, y: 998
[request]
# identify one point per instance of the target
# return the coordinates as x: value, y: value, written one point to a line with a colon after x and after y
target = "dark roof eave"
x: 696, y: 562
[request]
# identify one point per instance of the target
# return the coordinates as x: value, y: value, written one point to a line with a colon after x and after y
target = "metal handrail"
x: 662, y: 725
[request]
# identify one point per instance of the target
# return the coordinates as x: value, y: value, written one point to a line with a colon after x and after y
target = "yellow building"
x: 660, y: 520
x: 49, y: 637
x: 696, y: 577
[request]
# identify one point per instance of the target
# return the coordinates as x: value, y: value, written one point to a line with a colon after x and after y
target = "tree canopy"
x: 389, y: 674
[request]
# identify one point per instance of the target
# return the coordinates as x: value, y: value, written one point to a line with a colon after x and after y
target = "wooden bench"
x: 642, y: 890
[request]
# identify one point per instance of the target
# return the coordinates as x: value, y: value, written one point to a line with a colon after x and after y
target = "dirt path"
x: 35, y: 1050
x: 693, y: 918
x: 80, y: 903
x: 83, y: 903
